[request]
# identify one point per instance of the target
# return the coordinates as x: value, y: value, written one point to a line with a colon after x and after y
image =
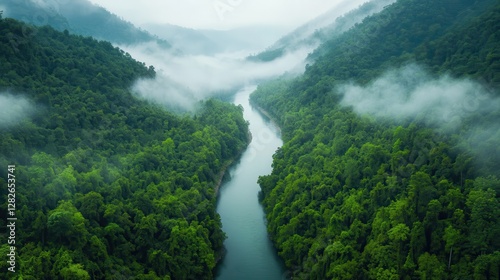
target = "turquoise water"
x: 250, y: 254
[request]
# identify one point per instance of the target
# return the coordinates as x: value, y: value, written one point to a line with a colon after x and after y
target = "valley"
x: 374, y: 147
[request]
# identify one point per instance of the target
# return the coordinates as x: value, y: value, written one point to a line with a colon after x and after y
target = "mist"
x: 460, y: 107
x: 14, y: 109
x: 411, y: 93
x: 184, y: 80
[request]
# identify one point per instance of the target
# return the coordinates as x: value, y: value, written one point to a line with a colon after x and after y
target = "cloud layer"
x: 183, y: 80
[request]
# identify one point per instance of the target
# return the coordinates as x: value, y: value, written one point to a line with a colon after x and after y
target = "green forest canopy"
x: 108, y: 186
x: 355, y: 197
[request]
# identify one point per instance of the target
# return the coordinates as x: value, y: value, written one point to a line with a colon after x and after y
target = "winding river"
x: 250, y: 254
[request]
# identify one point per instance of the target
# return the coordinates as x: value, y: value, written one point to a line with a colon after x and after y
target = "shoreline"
x: 228, y: 164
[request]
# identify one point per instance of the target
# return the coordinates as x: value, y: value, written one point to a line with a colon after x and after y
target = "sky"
x: 219, y: 14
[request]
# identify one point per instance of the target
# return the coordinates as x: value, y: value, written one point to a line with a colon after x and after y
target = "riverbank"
x: 225, y: 167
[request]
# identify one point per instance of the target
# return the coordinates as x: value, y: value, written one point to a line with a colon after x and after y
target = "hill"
x: 106, y: 185
x: 389, y: 167
x: 79, y: 17
x: 188, y: 40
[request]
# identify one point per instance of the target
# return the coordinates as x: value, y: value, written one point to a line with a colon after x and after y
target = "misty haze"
x: 14, y: 109
x: 411, y: 93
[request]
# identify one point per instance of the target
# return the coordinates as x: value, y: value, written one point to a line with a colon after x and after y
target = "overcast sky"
x: 219, y: 14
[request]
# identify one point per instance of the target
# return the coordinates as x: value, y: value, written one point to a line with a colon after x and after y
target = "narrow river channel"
x: 250, y: 254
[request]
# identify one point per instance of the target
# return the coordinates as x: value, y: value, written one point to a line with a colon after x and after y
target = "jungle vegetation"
x: 353, y: 196
x: 108, y: 186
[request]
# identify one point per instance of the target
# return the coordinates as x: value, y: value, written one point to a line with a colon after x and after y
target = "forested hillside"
x: 364, y: 191
x: 80, y: 17
x: 107, y: 186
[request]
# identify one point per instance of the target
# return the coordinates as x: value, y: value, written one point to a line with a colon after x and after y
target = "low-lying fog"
x: 14, y: 109
x: 182, y: 80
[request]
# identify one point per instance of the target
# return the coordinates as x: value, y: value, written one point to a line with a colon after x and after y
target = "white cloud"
x: 459, y: 106
x: 13, y: 109
x: 411, y: 93
x: 183, y: 80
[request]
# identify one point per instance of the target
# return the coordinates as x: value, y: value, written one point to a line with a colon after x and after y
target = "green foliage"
x: 351, y: 197
x: 108, y: 186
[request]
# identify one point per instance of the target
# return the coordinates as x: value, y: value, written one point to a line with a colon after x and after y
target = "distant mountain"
x: 190, y: 41
x: 326, y: 26
x: 85, y: 18
x: 245, y: 38
x: 209, y: 41
x: 80, y: 17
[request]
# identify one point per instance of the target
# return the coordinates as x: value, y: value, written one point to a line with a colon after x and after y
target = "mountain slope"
x: 315, y: 32
x: 389, y: 167
x: 107, y: 185
x: 79, y: 17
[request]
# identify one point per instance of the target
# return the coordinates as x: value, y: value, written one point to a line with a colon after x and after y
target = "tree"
x: 451, y: 237
x: 92, y: 206
x: 430, y: 268
x: 97, y: 250
x: 484, y: 220
x: 399, y: 234
x: 75, y: 272
x: 421, y: 192
x: 66, y: 224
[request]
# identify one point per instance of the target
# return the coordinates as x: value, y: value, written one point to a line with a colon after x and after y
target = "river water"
x: 250, y: 254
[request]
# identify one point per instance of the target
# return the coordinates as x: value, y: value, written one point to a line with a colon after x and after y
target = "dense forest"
x: 107, y: 186
x: 359, y: 195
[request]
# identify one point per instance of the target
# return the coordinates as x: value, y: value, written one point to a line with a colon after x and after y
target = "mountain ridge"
x: 80, y: 17
x: 328, y: 25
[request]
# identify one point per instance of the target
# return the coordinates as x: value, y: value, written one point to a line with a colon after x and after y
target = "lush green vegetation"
x: 108, y: 186
x: 355, y: 197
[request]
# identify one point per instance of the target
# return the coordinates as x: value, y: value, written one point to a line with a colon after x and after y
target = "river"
x: 250, y: 254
